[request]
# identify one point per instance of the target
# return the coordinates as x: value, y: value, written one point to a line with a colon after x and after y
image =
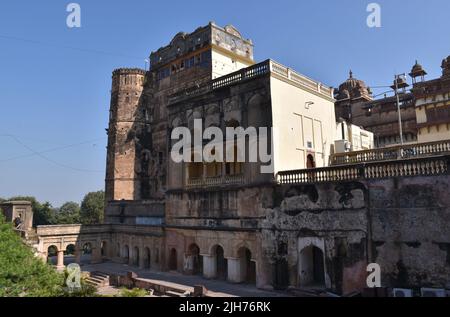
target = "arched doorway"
x: 195, y: 260
x: 52, y: 254
x: 173, y: 260
x: 69, y: 254
x: 221, y: 263
x: 310, y: 162
x: 247, y: 266
x: 136, y: 256
x: 126, y: 254
x: 104, y: 249
x: 147, y: 258
x: 312, y: 268
x: 86, y: 253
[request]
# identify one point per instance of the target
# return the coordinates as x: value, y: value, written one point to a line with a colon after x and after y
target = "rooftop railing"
x: 427, y: 166
x: 392, y: 153
x: 254, y: 71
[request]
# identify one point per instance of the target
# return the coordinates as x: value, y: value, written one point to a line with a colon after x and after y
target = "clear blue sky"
x: 53, y: 96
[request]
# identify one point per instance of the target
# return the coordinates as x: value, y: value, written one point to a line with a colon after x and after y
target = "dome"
x: 417, y: 70
x: 353, y: 88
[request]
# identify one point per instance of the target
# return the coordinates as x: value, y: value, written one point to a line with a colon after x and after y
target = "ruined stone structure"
x: 311, y: 219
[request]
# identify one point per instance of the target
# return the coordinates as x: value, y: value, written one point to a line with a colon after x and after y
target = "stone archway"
x: 70, y: 254
x: 194, y: 261
x: 147, y: 258
x: 52, y: 254
x: 136, y: 256
x: 126, y: 254
x: 310, y: 161
x: 220, y: 262
x: 247, y: 267
x: 311, y: 267
x: 173, y: 260
x: 104, y: 249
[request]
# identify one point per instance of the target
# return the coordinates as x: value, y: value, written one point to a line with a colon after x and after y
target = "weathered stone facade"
x: 291, y: 227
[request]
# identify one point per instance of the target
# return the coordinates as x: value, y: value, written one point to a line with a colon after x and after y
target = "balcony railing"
x: 253, y: 71
x: 428, y: 166
x: 392, y: 153
x: 215, y: 181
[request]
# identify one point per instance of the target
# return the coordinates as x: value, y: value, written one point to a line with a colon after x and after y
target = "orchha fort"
x: 349, y: 184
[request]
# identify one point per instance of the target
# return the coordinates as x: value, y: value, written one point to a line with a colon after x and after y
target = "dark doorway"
x: 197, y: 259
x: 281, y: 274
x: 147, y: 258
x: 310, y: 162
x: 136, y: 256
x: 221, y: 264
x: 248, y: 267
x: 126, y: 254
x: 173, y: 260
x: 318, y: 272
x: 312, y: 267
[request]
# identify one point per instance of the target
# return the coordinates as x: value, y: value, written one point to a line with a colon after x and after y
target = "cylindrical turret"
x: 125, y: 116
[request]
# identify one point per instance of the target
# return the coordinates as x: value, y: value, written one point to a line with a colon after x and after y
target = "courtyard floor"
x: 216, y: 287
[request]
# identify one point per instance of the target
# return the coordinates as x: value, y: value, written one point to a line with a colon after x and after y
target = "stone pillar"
x: 235, y: 273
x: 142, y: 258
x: 96, y: 256
x: 60, y: 261
x: 209, y: 266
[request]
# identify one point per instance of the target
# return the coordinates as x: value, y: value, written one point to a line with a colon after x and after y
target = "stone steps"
x: 176, y: 294
x: 98, y: 279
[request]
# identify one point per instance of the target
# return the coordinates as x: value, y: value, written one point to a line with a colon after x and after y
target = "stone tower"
x: 126, y: 121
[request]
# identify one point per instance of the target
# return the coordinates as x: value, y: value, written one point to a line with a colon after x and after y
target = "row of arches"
x: 75, y: 253
x: 136, y: 257
x: 216, y: 265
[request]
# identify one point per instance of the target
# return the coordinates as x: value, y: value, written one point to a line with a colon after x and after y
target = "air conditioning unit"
x: 402, y: 292
x: 432, y: 292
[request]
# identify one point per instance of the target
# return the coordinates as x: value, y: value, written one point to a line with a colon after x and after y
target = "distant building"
x: 350, y: 138
x: 432, y: 104
x: 354, y: 102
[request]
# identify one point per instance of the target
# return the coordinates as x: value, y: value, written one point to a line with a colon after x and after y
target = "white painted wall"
x: 223, y: 65
x: 300, y: 129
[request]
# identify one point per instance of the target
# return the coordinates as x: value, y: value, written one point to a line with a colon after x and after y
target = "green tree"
x: 69, y: 213
x: 92, y: 208
x: 21, y: 273
x: 42, y: 213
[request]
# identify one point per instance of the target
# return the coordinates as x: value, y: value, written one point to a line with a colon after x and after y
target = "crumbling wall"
x: 411, y: 236
x: 335, y: 215
x: 399, y: 223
